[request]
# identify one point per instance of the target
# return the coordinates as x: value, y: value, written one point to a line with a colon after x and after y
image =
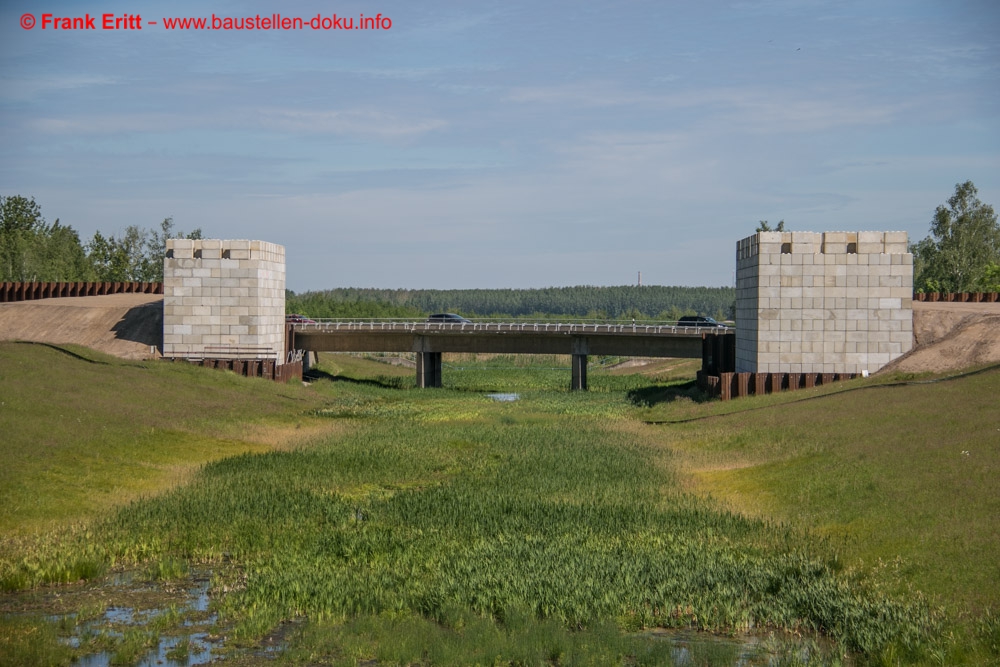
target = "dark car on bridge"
x: 447, y: 318
x: 699, y: 321
x: 295, y: 318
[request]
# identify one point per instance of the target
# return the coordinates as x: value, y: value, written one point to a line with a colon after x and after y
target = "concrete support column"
x: 581, y: 349
x: 428, y: 369
x: 579, y: 372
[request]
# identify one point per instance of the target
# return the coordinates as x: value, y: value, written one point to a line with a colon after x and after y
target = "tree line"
x: 33, y: 250
x: 961, y: 254
x: 625, y: 302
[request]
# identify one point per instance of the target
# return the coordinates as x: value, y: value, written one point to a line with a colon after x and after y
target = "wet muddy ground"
x: 126, y: 618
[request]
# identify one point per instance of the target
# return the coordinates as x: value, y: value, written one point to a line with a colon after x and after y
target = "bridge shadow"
x: 384, y: 381
x: 647, y: 397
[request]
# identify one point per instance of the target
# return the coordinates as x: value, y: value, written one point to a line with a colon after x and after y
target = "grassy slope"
x: 881, y: 471
x: 93, y: 431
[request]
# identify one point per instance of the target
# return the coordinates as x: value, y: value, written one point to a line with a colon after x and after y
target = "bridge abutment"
x: 224, y: 299
x: 831, y: 302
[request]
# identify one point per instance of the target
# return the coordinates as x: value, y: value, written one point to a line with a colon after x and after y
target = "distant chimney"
x: 640, y: 279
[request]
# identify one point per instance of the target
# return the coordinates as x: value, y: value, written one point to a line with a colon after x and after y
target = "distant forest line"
x: 646, y: 302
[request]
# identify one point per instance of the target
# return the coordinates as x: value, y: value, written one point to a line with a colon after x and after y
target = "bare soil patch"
x: 951, y: 336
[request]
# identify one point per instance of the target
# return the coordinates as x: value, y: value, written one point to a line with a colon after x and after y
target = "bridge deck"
x: 613, y: 328
x: 430, y: 339
x: 638, y: 340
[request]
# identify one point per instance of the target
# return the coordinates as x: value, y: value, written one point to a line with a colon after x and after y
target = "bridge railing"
x: 498, y: 326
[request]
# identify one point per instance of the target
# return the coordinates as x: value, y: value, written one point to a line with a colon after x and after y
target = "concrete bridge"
x: 430, y: 339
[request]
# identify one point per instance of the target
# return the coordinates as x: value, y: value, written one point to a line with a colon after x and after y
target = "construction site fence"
x: 260, y: 368
x: 52, y: 290
x: 736, y: 385
x: 963, y: 297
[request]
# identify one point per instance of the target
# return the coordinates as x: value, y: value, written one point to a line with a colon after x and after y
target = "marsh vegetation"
x: 357, y: 520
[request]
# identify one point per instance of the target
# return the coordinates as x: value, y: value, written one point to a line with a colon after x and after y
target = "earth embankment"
x: 951, y: 336
x: 947, y: 336
x: 129, y: 326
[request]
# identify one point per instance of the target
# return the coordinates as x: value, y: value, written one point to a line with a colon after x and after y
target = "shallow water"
x: 504, y: 398
x: 118, y: 619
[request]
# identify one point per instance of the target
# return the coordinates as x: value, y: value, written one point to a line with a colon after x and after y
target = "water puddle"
x: 196, y: 647
x: 691, y: 649
x: 126, y: 619
x: 504, y: 398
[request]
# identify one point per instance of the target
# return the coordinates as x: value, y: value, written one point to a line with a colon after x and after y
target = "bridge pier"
x: 579, y: 381
x: 581, y: 348
x: 428, y: 369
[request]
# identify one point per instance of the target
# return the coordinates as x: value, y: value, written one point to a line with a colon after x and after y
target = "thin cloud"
x: 753, y: 109
x: 364, y: 123
x: 25, y: 89
x: 377, y: 125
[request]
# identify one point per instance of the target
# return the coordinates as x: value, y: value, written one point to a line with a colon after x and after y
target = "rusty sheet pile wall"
x: 961, y: 297
x: 262, y: 368
x: 51, y: 290
x: 726, y: 386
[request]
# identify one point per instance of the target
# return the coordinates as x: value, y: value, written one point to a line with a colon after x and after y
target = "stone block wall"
x: 224, y: 299
x: 832, y: 302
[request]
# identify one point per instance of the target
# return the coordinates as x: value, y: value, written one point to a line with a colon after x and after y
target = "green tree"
x: 121, y: 259
x: 62, y: 255
x: 964, y: 243
x: 33, y: 250
x: 137, y: 255
x: 991, y: 278
x: 763, y: 226
x: 19, y: 218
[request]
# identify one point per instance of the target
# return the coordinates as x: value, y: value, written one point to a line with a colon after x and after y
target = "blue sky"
x: 505, y: 144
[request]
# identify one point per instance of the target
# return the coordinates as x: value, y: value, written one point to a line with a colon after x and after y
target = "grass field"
x: 901, y: 474
x: 440, y: 527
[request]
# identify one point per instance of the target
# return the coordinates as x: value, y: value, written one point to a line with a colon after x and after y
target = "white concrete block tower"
x: 832, y: 302
x: 224, y: 299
